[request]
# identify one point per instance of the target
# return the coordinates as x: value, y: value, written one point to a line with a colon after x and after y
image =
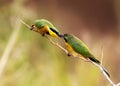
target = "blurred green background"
x: 30, y: 60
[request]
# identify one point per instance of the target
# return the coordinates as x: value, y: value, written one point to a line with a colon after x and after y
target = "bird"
x: 44, y: 26
x: 78, y: 48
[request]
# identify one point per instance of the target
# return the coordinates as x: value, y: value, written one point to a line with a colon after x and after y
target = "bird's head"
x: 45, y: 25
x: 37, y: 24
x: 67, y: 37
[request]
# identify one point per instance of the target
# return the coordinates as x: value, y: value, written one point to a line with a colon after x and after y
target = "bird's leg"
x: 43, y: 35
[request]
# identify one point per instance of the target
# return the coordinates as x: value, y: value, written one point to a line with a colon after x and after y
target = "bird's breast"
x: 71, y: 50
x: 43, y: 30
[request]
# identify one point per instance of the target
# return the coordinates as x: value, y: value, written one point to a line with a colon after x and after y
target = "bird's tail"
x: 94, y: 60
x: 98, y: 63
x: 105, y: 71
x: 102, y: 69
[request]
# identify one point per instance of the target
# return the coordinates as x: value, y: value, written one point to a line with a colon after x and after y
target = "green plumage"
x: 79, y: 47
x: 40, y: 23
x: 43, y: 27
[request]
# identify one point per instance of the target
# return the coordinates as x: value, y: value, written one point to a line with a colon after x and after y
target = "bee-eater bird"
x: 77, y: 48
x: 44, y: 26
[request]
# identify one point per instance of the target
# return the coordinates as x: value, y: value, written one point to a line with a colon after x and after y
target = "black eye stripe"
x: 32, y: 25
x: 60, y: 35
x: 54, y: 31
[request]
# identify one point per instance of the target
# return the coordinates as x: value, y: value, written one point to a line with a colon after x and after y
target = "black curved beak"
x: 32, y: 27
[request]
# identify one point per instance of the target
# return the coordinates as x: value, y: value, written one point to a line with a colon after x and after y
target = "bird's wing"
x: 83, y: 50
x: 80, y: 47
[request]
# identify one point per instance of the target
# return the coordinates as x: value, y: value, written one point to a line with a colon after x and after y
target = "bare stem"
x: 100, y: 67
x: 24, y: 23
x: 56, y: 44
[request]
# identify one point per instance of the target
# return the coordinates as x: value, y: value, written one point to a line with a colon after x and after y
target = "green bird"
x: 44, y: 26
x: 78, y: 48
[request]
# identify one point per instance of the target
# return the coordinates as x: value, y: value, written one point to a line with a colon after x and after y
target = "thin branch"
x: 108, y: 78
x: 118, y: 84
x: 100, y: 67
x: 56, y: 44
x: 24, y: 23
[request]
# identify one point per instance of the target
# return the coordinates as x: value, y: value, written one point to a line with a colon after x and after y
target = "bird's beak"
x: 32, y: 27
x: 61, y: 35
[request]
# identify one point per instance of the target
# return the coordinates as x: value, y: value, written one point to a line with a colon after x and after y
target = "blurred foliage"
x: 33, y: 61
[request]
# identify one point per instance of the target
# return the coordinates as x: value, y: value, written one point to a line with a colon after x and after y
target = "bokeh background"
x: 28, y: 59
